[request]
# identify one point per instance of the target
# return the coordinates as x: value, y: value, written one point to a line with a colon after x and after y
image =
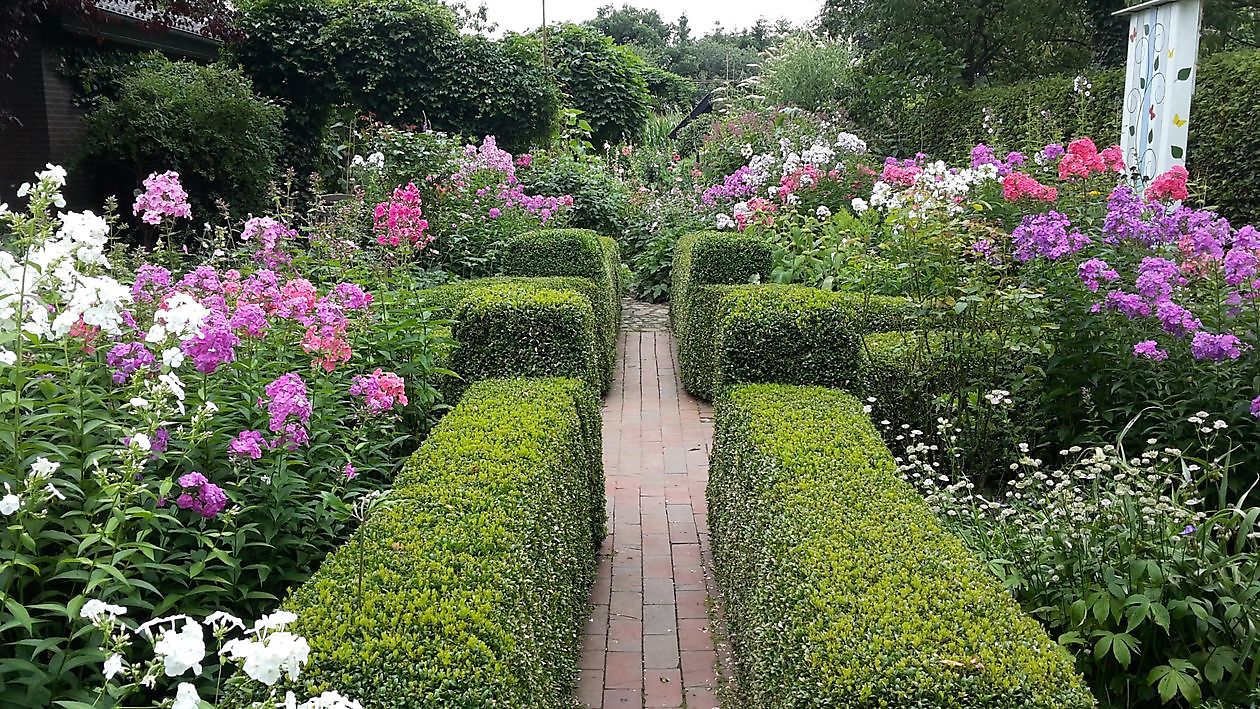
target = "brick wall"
x: 24, y: 145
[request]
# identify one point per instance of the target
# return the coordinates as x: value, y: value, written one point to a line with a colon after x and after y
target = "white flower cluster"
x: 266, y: 652
x: 937, y: 188
x: 57, y: 274
x: 375, y: 161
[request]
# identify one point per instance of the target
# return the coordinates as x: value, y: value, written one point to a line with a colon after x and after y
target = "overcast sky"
x: 523, y: 15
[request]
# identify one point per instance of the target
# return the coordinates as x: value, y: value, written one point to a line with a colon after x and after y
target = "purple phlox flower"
x: 1157, y: 277
x: 152, y: 283
x: 214, y: 345
x: 1094, y: 271
x: 1130, y: 304
x: 251, y: 319
x: 1175, y: 319
x: 203, y: 278
x: 1046, y: 235
x: 288, y: 400
x: 1052, y: 152
x: 127, y: 358
x: 351, y: 296
x: 248, y: 444
x: 1240, y: 265
x: 349, y: 472
x: 200, y: 495
x: 1150, y: 350
x: 1207, y: 346
x: 161, y: 440
x: 1255, y: 407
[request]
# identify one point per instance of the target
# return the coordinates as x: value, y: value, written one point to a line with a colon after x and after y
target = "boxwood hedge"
x: 469, y: 587
x: 575, y: 253
x: 703, y: 261
x: 510, y: 326
x: 795, y: 335
x: 841, y: 588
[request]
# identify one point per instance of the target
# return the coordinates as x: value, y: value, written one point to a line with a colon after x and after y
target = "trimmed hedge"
x: 796, y: 335
x: 577, y: 253
x: 703, y: 260
x: 841, y: 588
x: 470, y: 588
x: 1224, y: 127
x: 522, y: 327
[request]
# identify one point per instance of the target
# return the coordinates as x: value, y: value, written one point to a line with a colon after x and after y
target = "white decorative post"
x: 1163, y: 48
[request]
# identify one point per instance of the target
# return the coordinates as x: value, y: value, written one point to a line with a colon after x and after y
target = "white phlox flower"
x: 182, y: 650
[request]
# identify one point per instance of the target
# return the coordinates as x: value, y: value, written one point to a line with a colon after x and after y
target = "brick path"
x: 649, y: 642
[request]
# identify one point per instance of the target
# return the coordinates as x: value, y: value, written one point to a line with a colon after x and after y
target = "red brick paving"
x: 649, y: 641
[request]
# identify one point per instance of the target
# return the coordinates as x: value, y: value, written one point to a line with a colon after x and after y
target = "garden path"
x: 650, y: 641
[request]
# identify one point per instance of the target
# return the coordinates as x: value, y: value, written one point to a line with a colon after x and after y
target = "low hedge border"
x: 541, y: 334
x: 469, y: 587
x: 703, y: 262
x: 578, y: 253
x: 840, y: 587
x: 791, y: 334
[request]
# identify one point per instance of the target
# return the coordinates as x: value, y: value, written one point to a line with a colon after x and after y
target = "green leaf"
x: 1183, y: 74
x: 1177, y: 151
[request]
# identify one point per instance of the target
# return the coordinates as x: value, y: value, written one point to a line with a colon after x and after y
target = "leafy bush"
x: 669, y: 91
x: 839, y: 585
x: 701, y: 260
x: 787, y: 334
x: 204, y: 122
x: 278, y: 49
x: 808, y: 72
x: 597, y: 77
x: 599, y: 198
x: 469, y: 584
x: 1137, y: 564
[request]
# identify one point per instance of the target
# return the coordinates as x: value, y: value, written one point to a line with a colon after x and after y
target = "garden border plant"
x: 469, y: 583
x: 841, y: 587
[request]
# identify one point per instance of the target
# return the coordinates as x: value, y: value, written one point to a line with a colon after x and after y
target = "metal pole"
x: 546, y: 63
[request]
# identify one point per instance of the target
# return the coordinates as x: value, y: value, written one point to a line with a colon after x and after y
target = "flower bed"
x: 839, y: 585
x: 469, y: 588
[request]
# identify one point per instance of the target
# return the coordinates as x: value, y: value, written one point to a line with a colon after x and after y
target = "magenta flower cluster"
x: 288, y: 411
x: 1050, y: 236
x: 163, y: 196
x: 127, y: 358
x: 379, y: 390
x: 200, y: 495
x: 400, y: 219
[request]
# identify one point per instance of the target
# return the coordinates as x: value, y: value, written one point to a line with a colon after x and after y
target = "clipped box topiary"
x: 841, y: 588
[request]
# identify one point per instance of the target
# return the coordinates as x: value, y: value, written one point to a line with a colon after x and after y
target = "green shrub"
x: 553, y: 323
x: 670, y: 92
x: 469, y: 586
x: 597, y: 77
x: 202, y: 121
x: 599, y: 197
x: 575, y: 253
x: 511, y: 329
x: 808, y: 72
x: 790, y: 334
x: 703, y: 260
x: 841, y: 588
x: 1225, y: 134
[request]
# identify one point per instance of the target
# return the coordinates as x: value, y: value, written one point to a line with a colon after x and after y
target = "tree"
x: 991, y: 40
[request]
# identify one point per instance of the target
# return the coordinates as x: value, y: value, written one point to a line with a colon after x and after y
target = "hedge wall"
x: 703, y: 260
x: 791, y: 334
x: 840, y: 587
x: 521, y: 326
x: 765, y: 333
x: 1224, y: 125
x: 469, y: 587
x: 579, y: 253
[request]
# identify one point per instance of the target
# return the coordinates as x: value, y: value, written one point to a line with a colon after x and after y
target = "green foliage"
x: 577, y: 253
x: 670, y: 92
x: 469, y: 585
x: 597, y: 77
x: 702, y: 260
x: 796, y: 335
x: 841, y: 588
x: 280, y: 52
x: 807, y: 72
x: 1139, y: 564
x: 202, y: 121
x: 1224, y: 128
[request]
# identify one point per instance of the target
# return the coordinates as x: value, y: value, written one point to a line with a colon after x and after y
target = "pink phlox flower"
x: 1170, y: 186
x: 401, y: 219
x: 380, y: 390
x: 248, y: 444
x: 1149, y: 349
x: 1018, y: 185
x: 163, y: 196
